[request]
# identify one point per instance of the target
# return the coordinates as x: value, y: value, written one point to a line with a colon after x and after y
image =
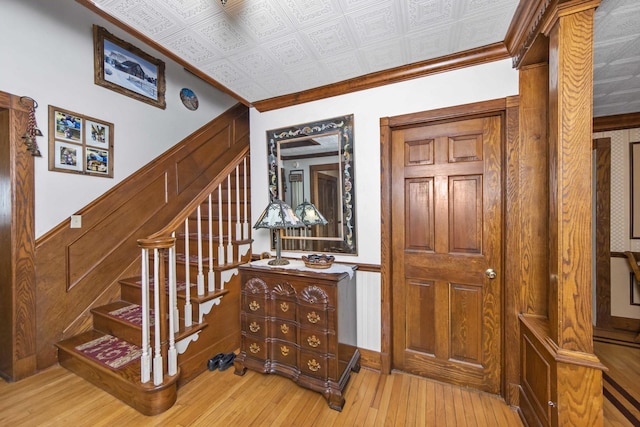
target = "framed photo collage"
x: 80, y: 144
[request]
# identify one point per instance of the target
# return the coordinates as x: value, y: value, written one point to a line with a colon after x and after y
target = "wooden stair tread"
x: 112, y: 306
x: 129, y: 373
x: 215, y: 238
x: 217, y: 267
x: 133, y: 281
x: 195, y: 298
x: 123, y: 383
x: 183, y: 332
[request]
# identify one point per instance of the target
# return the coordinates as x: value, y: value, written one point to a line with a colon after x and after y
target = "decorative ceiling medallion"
x: 189, y: 99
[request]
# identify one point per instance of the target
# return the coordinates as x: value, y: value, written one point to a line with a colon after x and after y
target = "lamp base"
x: 278, y: 261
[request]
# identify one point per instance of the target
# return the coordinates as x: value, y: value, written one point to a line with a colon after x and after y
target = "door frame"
x: 387, y: 126
x: 17, y: 249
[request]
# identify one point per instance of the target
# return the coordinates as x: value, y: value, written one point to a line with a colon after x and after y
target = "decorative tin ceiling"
x: 616, y: 58
x: 260, y: 49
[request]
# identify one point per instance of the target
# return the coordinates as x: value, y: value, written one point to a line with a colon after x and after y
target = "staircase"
x: 161, y: 332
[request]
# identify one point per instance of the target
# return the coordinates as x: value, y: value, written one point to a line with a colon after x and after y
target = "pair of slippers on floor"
x: 221, y: 361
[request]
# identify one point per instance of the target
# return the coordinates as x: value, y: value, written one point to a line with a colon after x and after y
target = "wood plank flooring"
x: 56, y: 397
x: 623, y: 363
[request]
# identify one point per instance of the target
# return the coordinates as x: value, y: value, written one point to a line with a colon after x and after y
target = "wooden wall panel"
x: 465, y: 148
x: 6, y: 269
x: 113, y: 233
x: 419, y: 152
x: 512, y: 292
x: 536, y: 379
x: 603, y: 232
x: 465, y: 214
x: 196, y: 161
x: 420, y: 214
x: 92, y: 259
x: 466, y: 322
x: 421, y: 316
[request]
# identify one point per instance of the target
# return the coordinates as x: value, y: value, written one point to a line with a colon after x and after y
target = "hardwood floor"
x: 57, y: 397
x: 623, y: 363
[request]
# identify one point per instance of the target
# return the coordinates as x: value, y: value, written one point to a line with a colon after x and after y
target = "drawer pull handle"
x: 284, y: 307
x: 313, y: 365
x: 254, y: 306
x: 313, y: 341
x: 284, y: 350
x: 284, y: 328
x: 254, y: 348
x: 254, y: 327
x: 313, y: 317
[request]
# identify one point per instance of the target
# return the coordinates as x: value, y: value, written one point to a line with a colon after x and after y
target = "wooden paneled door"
x: 446, y: 212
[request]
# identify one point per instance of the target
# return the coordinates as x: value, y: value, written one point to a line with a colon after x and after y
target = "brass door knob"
x: 491, y: 273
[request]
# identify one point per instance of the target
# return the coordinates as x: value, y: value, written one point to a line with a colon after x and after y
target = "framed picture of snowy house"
x: 123, y: 68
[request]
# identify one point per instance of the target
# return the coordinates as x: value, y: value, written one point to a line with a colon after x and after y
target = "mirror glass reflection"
x: 313, y: 163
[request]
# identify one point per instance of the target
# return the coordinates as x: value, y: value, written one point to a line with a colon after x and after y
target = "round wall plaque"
x: 189, y: 99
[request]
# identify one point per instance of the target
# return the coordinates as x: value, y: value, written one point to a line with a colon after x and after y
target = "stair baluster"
x: 158, y: 279
x: 174, y: 327
x: 188, y: 309
x: 238, y: 224
x: 229, y: 233
x: 220, y: 236
x: 245, y: 228
x: 145, y: 359
x: 199, y: 237
x: 211, y: 277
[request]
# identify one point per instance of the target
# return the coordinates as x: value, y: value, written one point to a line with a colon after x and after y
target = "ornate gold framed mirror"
x: 313, y: 162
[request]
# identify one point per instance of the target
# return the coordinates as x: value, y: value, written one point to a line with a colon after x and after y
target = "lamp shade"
x: 278, y: 215
x: 309, y: 214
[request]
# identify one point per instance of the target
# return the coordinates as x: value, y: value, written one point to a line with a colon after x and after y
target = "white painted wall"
x: 473, y: 84
x: 621, y: 222
x: 46, y: 49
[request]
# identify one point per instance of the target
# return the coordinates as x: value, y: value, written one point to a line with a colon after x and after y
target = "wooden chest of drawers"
x: 301, y: 325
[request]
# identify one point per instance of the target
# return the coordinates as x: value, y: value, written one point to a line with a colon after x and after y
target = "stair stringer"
x: 222, y: 334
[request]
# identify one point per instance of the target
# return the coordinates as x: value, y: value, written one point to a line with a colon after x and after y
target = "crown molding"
x: 617, y: 122
x: 484, y: 54
x: 526, y: 38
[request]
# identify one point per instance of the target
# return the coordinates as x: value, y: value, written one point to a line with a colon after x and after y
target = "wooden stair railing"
x: 160, y: 248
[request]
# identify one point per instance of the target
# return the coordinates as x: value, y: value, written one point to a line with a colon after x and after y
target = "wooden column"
x: 560, y: 380
x: 570, y: 213
x: 17, y: 242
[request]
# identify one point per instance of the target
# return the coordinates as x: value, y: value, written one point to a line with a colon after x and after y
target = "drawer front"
x: 254, y: 326
x: 284, y: 308
x: 312, y: 316
x: 314, y: 340
x: 254, y: 348
x: 313, y: 364
x: 284, y: 330
x: 254, y: 304
x: 284, y: 352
